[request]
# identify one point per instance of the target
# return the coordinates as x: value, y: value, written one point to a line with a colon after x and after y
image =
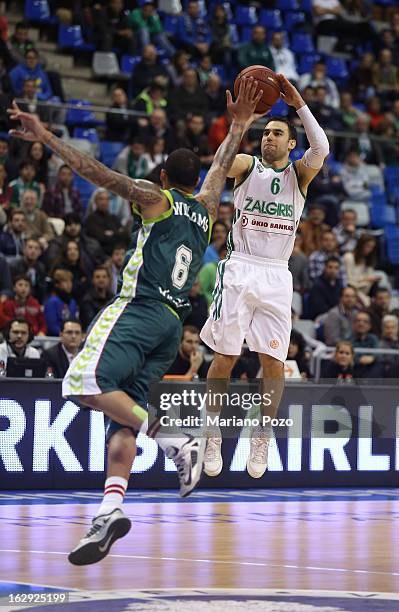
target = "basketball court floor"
x: 264, y: 550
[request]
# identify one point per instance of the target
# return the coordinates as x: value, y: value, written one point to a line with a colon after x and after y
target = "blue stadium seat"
x: 382, y: 215
x: 221, y: 72
x: 293, y: 19
x: 392, y: 243
x: 270, y: 19
x: 302, y: 43
x: 280, y: 108
x: 288, y: 5
x: 170, y: 24
x: 89, y: 134
x: 71, y: 37
x: 80, y: 116
x: 85, y: 188
x: 37, y: 10
x: 109, y: 151
x: 337, y: 68
x: 246, y: 34
x: 245, y: 16
x: 391, y: 176
x: 128, y: 62
x: 306, y: 62
x: 234, y: 36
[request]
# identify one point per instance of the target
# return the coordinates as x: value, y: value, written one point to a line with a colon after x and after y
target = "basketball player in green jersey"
x: 135, y: 339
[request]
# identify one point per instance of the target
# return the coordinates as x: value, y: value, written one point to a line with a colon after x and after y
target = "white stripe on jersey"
x: 268, y: 206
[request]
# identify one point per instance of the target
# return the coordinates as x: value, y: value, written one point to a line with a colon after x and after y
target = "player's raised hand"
x: 249, y: 96
x: 289, y: 93
x: 31, y: 127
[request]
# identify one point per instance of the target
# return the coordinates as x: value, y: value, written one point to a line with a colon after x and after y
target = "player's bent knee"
x: 271, y: 366
x: 223, y: 364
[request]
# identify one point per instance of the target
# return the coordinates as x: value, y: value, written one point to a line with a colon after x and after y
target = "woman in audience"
x: 156, y: 153
x: 341, y: 364
x: 79, y: 265
x: 360, y: 267
x: 296, y: 352
x: 37, y: 153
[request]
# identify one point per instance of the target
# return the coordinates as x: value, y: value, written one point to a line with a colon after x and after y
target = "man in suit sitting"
x: 59, y: 357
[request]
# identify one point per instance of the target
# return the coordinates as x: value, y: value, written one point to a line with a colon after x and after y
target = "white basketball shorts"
x: 251, y: 301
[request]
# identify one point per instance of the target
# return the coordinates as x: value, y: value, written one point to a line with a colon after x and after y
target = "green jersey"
x: 167, y: 254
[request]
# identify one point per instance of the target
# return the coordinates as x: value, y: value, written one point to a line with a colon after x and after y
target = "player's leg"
x: 109, y: 523
x: 218, y: 379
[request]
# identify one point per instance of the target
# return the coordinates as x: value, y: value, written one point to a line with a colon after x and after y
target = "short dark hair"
x: 31, y: 50
x: 22, y: 277
x: 62, y: 168
x: 63, y: 323
x: 291, y: 127
x: 17, y: 211
x: 22, y: 25
x: 72, y: 218
x: 183, y: 167
x: 27, y: 162
x: 343, y: 289
x: 191, y: 329
x: 332, y: 258
x: 99, y: 268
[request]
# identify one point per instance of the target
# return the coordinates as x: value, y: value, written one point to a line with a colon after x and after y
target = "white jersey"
x: 267, y: 208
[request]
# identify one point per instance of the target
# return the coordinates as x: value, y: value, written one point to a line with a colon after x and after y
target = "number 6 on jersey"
x: 182, y: 265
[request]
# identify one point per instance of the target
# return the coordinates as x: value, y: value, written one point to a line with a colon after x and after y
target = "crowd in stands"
x: 61, y: 250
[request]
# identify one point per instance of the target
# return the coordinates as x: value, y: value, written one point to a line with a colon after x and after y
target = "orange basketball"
x: 267, y: 81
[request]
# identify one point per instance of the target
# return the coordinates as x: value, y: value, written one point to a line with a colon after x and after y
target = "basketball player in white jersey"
x: 253, y: 290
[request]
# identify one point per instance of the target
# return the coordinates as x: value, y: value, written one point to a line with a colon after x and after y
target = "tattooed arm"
x: 143, y: 193
x: 243, y: 114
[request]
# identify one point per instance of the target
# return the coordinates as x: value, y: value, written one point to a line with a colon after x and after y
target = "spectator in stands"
x: 369, y: 150
x: 330, y: 19
x: 284, y: 59
x: 26, y: 180
x: 389, y: 340
x: 326, y: 290
x: 349, y: 113
x: 38, y: 155
x: 23, y: 304
x: 256, y: 51
x: 226, y: 209
x: 222, y: 45
x: 96, y: 297
x: 394, y: 114
x: 199, y: 307
x: 390, y: 146
x: 355, y: 178
x: 30, y: 266
x: 189, y: 360
x: 114, y: 265
x: 360, y: 266
x: 204, y: 69
x: 379, y: 307
x: 218, y: 131
x: 296, y: 352
x: 366, y: 366
x: 339, y: 320
x: 176, y: 68
x: 5, y: 279
x: 317, y: 259
x: 156, y: 154
x: 73, y: 230
x: 59, y: 357
x: 63, y: 198
x: 148, y: 27
x: 299, y: 267
x: 148, y: 70
x: 216, y: 95
x: 18, y: 334
x: 207, y: 275
x: 131, y: 161
x: 37, y: 223
x: 193, y: 31
x: 158, y: 127
x: 345, y: 232
x: 7, y: 161
x: 361, y: 83
x: 318, y: 78
x: 5, y: 192
x: 103, y: 226
x: 374, y: 111
x: 120, y: 126
x: 111, y: 28
x: 12, y: 241
x: 187, y: 99
x: 20, y: 42
x: 341, y: 364
x: 196, y: 139
x: 386, y: 76
x: 328, y: 116
x: 149, y: 99
x: 312, y: 228
x: 79, y: 265
x: 327, y: 190
x: 31, y: 69
x: 60, y: 306
x: 32, y: 104
x: 218, y: 238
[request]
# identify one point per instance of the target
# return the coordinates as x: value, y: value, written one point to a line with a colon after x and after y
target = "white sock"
x: 114, y: 492
x: 163, y: 438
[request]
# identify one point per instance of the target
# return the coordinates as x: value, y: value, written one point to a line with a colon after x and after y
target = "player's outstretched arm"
x: 144, y: 193
x: 243, y: 114
x: 311, y: 162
